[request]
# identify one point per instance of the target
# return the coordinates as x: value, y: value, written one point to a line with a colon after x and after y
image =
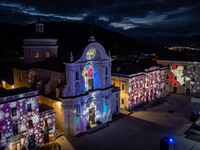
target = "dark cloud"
x: 129, y: 17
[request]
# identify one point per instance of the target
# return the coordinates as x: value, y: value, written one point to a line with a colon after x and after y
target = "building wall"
x: 20, y: 81
x: 8, y: 139
x: 119, y: 81
x: 141, y: 87
x: 183, y: 76
x: 58, y: 108
x: 115, y: 98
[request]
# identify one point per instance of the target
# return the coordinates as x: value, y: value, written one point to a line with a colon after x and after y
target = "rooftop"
x: 129, y: 68
x: 5, y: 93
x: 54, y: 64
x: 43, y: 107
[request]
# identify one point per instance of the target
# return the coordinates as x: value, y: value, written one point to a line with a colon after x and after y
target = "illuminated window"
x: 45, y: 123
x: 194, y: 68
x: 30, y: 124
x: 20, y: 76
x: 78, y: 110
x: 14, y: 112
x: 15, y: 129
x: 77, y: 75
x: 116, y: 94
x: 47, y: 54
x: 37, y: 55
x: 122, y: 101
x: 29, y: 107
x: 122, y: 86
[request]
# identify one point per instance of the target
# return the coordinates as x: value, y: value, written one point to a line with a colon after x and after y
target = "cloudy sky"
x: 129, y: 17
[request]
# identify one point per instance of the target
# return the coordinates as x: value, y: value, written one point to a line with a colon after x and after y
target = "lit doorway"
x: 92, y: 115
x: 16, y: 146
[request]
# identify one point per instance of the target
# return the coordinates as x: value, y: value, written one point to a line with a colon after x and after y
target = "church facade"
x: 78, y: 89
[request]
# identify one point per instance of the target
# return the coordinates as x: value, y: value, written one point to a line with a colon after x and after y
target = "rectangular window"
x: 45, y: 123
x: 113, y: 83
x: 14, y: 112
x: 116, y: 94
x: 20, y: 76
x: 167, y: 76
x: 37, y: 55
x: 122, y: 86
x: 122, y: 101
x: 194, y: 68
x: 30, y: 124
x: 136, y: 100
x: 15, y: 129
x: 29, y: 107
x: 47, y: 54
x: 185, y: 67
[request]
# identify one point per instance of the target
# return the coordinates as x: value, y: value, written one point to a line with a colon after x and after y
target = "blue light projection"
x: 90, y: 73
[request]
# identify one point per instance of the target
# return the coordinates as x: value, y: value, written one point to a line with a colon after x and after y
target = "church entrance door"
x: 92, y: 115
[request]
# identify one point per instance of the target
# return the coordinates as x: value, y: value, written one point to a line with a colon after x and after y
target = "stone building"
x: 183, y: 74
x: 78, y: 89
x: 23, y: 121
x: 139, y: 82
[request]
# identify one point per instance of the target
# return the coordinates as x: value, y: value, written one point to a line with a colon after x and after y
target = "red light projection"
x: 175, y: 76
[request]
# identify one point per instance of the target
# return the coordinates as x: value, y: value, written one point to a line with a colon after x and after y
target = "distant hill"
x: 72, y: 37
x: 191, y: 41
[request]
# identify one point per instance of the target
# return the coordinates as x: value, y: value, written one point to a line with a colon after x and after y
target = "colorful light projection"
x: 175, y: 76
x: 21, y: 118
x: 90, y: 73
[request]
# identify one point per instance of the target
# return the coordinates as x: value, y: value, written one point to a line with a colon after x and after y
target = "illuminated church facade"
x: 78, y: 89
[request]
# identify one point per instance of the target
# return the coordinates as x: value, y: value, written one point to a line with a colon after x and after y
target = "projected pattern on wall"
x: 144, y: 88
x: 89, y: 72
x: 176, y: 76
x: 16, y: 115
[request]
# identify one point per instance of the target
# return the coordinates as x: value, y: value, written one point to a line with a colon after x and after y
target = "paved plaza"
x: 141, y: 130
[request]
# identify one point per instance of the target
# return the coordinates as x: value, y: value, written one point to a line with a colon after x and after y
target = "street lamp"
x: 171, y: 112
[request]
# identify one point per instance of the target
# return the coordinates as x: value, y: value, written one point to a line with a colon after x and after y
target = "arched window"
x: 78, y: 110
x: 77, y: 75
x: 106, y: 70
x: 77, y: 87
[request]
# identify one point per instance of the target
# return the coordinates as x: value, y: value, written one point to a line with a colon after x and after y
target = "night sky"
x: 129, y: 17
